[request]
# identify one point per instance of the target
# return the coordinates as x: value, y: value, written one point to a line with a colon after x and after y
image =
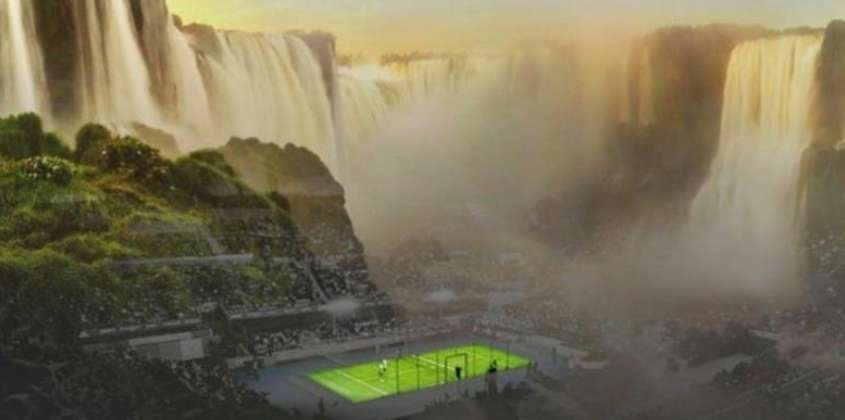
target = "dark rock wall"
x: 316, y: 201
x: 57, y: 26
x: 656, y: 160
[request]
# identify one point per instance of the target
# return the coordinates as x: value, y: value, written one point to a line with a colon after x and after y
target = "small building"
x: 178, y: 347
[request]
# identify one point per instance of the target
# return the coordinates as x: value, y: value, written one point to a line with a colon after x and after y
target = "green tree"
x: 22, y: 136
x: 88, y: 137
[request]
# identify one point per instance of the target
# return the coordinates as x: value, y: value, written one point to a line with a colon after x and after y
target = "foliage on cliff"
x: 315, y: 200
x: 111, y: 233
x: 99, y: 226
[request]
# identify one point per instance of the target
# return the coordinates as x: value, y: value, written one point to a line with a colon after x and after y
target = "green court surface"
x: 362, y: 382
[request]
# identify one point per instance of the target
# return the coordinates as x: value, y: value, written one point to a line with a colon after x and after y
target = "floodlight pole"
x: 437, y: 368
x: 508, y: 356
x: 474, y: 360
x: 398, y: 390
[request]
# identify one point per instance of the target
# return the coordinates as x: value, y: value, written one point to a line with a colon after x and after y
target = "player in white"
x: 382, y: 369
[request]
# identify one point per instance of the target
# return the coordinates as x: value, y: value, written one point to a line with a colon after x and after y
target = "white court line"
x: 439, y: 365
x: 348, y: 376
x: 401, y: 372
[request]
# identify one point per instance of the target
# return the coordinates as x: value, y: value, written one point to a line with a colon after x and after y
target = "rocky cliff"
x: 663, y: 138
x: 316, y: 202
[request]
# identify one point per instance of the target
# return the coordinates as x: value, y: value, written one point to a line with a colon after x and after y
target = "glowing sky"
x: 407, y: 25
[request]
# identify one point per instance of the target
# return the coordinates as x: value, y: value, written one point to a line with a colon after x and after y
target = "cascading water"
x: 420, y: 79
x: 369, y: 92
x: 134, y: 64
x: 363, y: 100
x: 437, y: 139
x: 363, y: 103
x: 22, y: 81
x: 750, y: 206
x: 202, y: 85
x: 192, y: 104
x: 271, y: 87
x: 115, y: 76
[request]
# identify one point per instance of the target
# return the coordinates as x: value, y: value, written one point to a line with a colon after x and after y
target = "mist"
x: 469, y: 159
x: 497, y: 210
x: 465, y: 164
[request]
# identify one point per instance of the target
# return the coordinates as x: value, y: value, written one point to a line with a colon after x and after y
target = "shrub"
x: 31, y: 126
x: 128, y: 155
x: 92, y: 247
x: 49, y: 169
x: 204, y: 181
x: 88, y: 137
x: 214, y: 159
x: 56, y: 295
x: 52, y: 145
x: 22, y: 136
x: 14, y: 144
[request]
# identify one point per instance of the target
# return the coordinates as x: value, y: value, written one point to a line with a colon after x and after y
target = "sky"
x: 379, y: 26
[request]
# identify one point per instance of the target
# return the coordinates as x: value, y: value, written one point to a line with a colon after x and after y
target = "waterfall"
x: 369, y: 92
x: 751, y: 202
x: 425, y: 78
x: 636, y: 91
x: 192, y: 103
x: 22, y: 80
x: 133, y: 63
x: 271, y: 87
x: 362, y: 102
x: 435, y: 140
x: 115, y: 77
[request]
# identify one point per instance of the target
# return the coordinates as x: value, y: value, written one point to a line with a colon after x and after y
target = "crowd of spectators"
x: 325, y: 333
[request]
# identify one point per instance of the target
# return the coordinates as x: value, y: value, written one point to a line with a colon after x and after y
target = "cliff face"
x: 316, y: 201
x: 828, y: 115
x: 129, y: 236
x: 663, y: 136
x: 670, y: 119
x: 824, y: 162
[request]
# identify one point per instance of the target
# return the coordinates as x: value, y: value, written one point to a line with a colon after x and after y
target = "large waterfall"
x: 271, y: 87
x: 114, y: 75
x: 133, y: 63
x: 439, y: 140
x: 369, y: 92
x: 749, y: 208
x: 22, y: 82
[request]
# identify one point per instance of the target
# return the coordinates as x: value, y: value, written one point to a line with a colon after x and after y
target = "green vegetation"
x: 362, y: 382
x: 303, y: 186
x: 120, y: 201
x: 87, y: 237
x: 88, y: 137
x: 22, y: 136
